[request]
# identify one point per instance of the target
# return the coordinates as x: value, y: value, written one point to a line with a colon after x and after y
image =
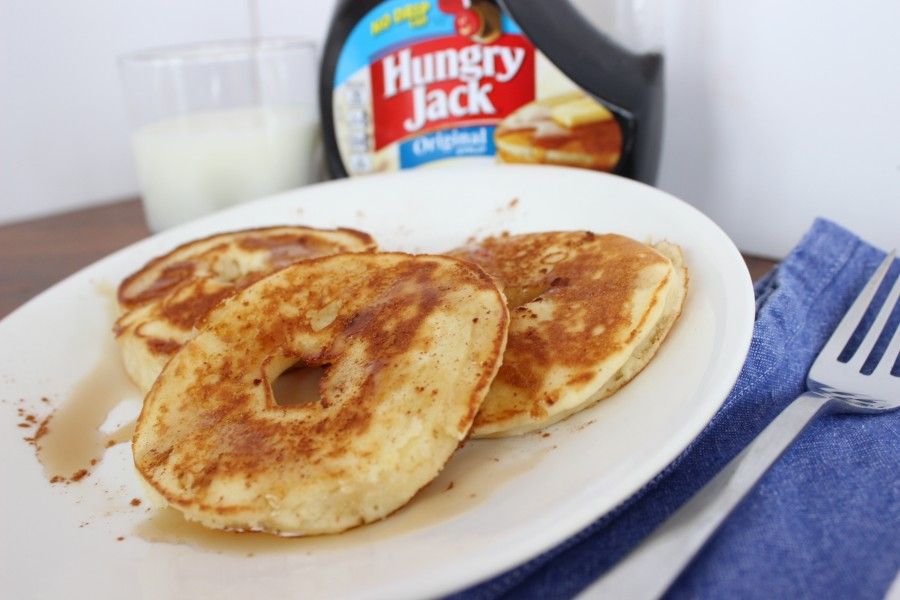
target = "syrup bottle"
x: 406, y: 83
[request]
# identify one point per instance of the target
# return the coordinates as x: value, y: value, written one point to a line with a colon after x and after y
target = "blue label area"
x: 447, y: 143
x: 393, y: 24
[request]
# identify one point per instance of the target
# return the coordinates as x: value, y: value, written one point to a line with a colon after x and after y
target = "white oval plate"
x: 495, y: 505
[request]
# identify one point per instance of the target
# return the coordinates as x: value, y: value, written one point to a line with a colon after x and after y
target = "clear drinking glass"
x: 220, y: 123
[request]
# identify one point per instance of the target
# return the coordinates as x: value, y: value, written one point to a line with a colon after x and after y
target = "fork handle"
x: 653, y: 566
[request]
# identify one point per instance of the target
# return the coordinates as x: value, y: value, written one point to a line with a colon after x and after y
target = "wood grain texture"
x: 36, y: 254
x: 758, y: 266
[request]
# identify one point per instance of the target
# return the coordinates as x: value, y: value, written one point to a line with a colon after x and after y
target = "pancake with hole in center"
x: 161, y: 303
x: 409, y: 346
x: 587, y: 314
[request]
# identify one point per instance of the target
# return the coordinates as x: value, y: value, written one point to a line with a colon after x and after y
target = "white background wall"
x: 777, y: 111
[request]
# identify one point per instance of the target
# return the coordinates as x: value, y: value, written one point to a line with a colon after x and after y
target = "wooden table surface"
x: 36, y: 254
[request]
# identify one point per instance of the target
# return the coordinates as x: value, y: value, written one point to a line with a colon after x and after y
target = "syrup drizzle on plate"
x: 74, y: 442
x: 473, y: 474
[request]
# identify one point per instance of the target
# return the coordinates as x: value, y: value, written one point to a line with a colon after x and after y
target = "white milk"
x: 195, y: 164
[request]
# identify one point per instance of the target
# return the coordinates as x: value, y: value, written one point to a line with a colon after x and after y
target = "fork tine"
x: 889, y: 356
x: 846, y: 327
x: 865, y: 348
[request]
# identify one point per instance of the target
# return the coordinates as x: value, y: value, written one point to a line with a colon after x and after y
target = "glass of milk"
x: 221, y: 123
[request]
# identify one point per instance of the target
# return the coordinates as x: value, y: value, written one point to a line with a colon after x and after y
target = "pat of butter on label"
x: 580, y: 112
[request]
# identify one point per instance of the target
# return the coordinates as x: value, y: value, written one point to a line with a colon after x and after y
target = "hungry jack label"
x: 418, y: 83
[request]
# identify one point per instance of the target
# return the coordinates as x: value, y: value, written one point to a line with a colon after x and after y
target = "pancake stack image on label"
x: 570, y: 129
x: 419, y: 352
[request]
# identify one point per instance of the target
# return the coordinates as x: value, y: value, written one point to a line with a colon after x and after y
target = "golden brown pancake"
x: 410, y: 345
x: 570, y: 129
x: 587, y: 313
x: 163, y: 301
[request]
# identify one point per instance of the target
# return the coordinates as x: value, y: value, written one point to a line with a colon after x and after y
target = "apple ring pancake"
x: 161, y: 303
x: 587, y: 314
x: 409, y: 345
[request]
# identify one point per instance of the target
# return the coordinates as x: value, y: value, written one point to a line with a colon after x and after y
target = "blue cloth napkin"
x: 824, y: 522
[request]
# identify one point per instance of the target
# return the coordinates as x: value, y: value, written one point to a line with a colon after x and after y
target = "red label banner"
x: 447, y: 81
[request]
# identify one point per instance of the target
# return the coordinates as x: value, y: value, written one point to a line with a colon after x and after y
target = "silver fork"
x: 834, y: 387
